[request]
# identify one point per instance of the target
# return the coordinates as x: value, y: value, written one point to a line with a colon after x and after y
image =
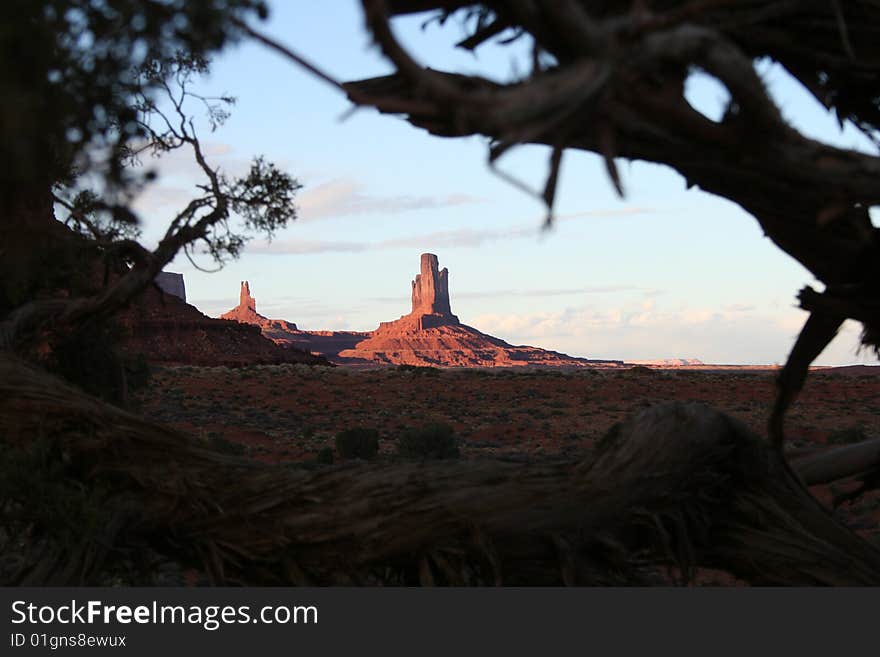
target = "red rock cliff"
x: 165, y: 329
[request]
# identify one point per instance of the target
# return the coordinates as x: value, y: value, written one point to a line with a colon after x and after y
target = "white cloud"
x: 640, y: 330
x: 305, y: 247
x: 177, y: 176
x: 345, y: 196
x: 461, y: 237
x: 437, y: 240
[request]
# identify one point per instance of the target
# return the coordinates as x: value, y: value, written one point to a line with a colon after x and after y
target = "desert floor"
x: 290, y: 412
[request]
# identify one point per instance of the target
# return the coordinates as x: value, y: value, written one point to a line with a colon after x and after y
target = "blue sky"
x: 664, y: 273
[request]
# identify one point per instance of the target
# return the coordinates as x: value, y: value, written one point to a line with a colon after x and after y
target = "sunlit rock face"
x: 430, y: 289
x: 246, y: 312
x: 428, y: 335
x: 430, y: 301
x: 284, y: 333
x: 245, y: 300
x: 431, y: 335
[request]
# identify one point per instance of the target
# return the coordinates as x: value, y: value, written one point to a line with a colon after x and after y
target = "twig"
x: 844, y: 31
x: 290, y: 54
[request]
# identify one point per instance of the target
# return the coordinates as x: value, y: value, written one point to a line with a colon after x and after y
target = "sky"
x: 665, y: 272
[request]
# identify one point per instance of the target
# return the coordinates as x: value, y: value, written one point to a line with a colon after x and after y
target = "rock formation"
x: 165, y: 329
x: 328, y: 344
x: 428, y: 335
x: 171, y: 283
x: 245, y: 300
x: 430, y: 289
x: 430, y: 300
x: 246, y: 312
x: 456, y: 345
x: 324, y: 343
x: 157, y: 324
x: 431, y: 335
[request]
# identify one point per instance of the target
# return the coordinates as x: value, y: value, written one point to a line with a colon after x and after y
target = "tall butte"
x: 430, y: 289
x: 430, y: 297
x: 431, y: 335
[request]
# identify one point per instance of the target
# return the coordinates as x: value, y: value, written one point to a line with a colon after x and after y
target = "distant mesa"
x: 429, y: 335
x: 163, y: 328
x: 157, y: 325
x: 171, y: 283
x: 284, y: 333
x: 853, y: 370
x: 668, y: 362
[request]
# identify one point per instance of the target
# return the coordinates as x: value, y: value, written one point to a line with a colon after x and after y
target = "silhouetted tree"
x: 82, y: 105
x: 675, y: 487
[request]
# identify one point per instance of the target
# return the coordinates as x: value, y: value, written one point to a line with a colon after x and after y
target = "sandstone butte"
x: 430, y: 335
x: 322, y: 343
x: 246, y: 312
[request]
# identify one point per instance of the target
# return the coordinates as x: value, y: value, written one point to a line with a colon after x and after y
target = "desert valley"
x: 505, y: 294
x: 163, y: 327
x: 430, y: 335
x: 261, y: 387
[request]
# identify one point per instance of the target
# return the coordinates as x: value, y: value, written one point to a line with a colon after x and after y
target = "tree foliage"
x: 108, y: 84
x: 71, y: 96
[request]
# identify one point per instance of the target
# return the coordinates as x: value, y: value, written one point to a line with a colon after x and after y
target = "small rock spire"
x: 245, y: 300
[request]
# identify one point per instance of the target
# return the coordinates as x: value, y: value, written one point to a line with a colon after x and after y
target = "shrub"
x: 610, y: 440
x: 88, y: 357
x: 359, y: 443
x: 847, y: 436
x: 425, y: 370
x: 220, y: 444
x: 324, y: 456
x: 433, y: 441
